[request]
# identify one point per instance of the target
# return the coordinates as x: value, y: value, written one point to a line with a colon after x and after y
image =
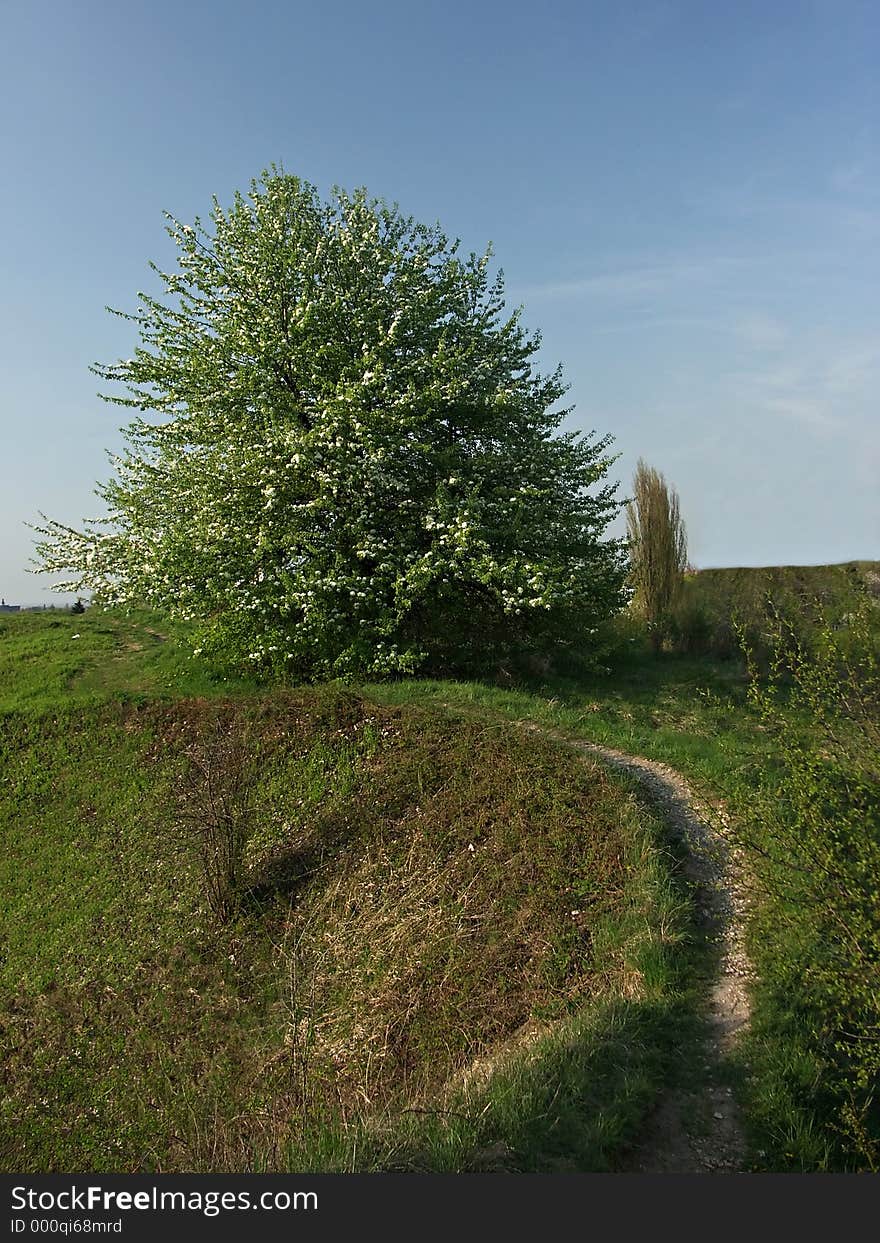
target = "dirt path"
x: 695, y: 1130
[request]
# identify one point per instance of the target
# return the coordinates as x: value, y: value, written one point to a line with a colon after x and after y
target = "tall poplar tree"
x: 658, y: 550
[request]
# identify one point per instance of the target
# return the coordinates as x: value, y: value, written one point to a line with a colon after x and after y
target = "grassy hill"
x: 456, y: 947
x: 723, y: 607
x: 443, y: 926
x: 55, y: 659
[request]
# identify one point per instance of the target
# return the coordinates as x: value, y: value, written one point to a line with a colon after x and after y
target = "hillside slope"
x: 721, y: 608
x: 421, y: 899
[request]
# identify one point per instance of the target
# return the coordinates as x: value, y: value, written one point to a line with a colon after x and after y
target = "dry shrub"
x: 215, y: 810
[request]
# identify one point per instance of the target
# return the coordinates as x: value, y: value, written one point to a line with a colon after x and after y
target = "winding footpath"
x: 696, y: 1130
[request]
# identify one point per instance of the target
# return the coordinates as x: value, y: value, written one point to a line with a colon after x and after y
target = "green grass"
x: 695, y: 714
x: 54, y: 659
x: 720, y: 608
x: 407, y: 917
x: 690, y: 713
x: 737, y: 589
x: 112, y: 981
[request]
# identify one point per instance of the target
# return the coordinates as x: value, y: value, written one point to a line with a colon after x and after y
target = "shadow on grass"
x: 284, y: 876
x: 575, y: 1099
x: 582, y: 1100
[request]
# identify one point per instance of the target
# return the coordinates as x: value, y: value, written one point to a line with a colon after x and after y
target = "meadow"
x: 451, y: 945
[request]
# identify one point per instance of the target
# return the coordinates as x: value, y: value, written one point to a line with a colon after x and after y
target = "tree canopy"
x: 342, y: 459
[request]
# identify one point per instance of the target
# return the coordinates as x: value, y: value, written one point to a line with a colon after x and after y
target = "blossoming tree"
x: 342, y: 459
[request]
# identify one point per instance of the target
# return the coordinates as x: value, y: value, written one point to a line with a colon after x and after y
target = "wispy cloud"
x: 834, y: 386
x: 851, y: 178
x: 844, y: 206
x: 760, y: 330
x: 810, y: 411
x: 637, y: 282
x: 646, y: 21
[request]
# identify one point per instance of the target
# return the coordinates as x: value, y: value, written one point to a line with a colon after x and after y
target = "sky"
x: 684, y: 197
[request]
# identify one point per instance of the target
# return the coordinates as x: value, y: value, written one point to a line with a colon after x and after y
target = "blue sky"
x: 684, y: 196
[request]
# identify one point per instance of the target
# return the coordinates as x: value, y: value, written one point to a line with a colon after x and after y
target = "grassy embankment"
x: 802, y: 783
x: 691, y: 711
x: 456, y: 947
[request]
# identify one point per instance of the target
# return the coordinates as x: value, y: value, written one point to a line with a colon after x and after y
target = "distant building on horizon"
x: 9, y: 608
